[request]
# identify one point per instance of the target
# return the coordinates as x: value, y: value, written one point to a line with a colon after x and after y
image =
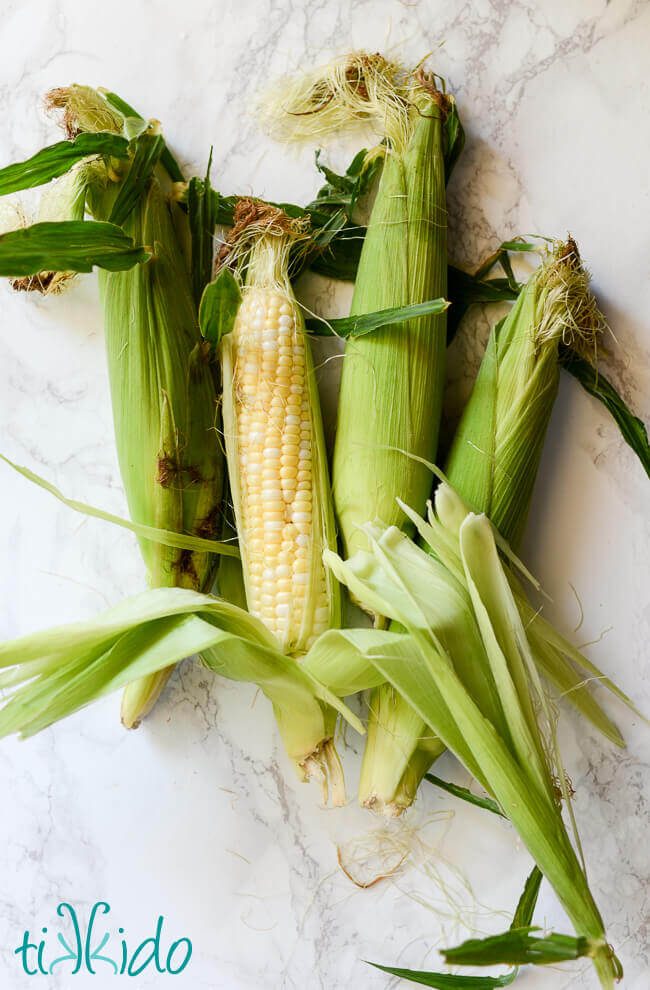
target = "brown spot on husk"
x: 185, y: 566
x: 169, y: 470
x: 209, y: 527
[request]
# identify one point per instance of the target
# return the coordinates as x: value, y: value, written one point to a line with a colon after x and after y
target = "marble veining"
x: 197, y: 816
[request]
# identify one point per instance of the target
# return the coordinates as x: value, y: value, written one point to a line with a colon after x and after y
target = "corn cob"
x: 274, y: 441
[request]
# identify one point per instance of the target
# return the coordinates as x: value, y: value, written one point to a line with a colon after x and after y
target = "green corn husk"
x: 491, y: 711
x: 392, y: 380
x: 170, y: 459
x: 498, y: 444
x: 163, y: 384
x: 493, y: 463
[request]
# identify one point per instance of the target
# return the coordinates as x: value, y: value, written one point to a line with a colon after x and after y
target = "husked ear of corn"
x: 493, y: 463
x: 163, y: 384
x: 274, y: 440
x: 392, y: 380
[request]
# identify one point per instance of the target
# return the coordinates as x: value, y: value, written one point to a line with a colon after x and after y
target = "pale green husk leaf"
x: 57, y: 671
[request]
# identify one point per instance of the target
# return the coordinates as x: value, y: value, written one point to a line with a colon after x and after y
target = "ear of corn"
x: 498, y: 444
x: 499, y: 741
x: 163, y: 386
x: 165, y: 413
x: 493, y: 462
x: 277, y: 465
x: 275, y: 445
x: 391, y: 385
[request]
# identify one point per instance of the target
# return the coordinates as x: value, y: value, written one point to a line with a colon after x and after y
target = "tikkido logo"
x: 95, y: 950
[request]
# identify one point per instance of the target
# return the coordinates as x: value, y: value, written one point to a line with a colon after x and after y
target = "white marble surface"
x: 196, y: 815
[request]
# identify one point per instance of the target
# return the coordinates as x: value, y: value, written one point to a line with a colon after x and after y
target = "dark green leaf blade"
x: 465, y: 795
x: 449, y: 981
x: 341, y: 259
x: 219, y: 304
x: 68, y: 245
x: 202, y: 208
x: 147, y: 149
x: 357, y: 326
x: 56, y: 159
x: 344, y: 183
x: 470, y: 289
x: 519, y: 946
x: 632, y: 428
x: 466, y: 290
x: 345, y: 190
x: 525, y: 909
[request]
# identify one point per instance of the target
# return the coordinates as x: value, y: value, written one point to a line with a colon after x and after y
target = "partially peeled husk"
x: 465, y: 665
x: 259, y: 250
x: 51, y: 674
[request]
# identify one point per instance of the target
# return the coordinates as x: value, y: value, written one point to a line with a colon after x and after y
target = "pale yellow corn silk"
x: 274, y: 437
x: 569, y: 311
x: 358, y: 87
